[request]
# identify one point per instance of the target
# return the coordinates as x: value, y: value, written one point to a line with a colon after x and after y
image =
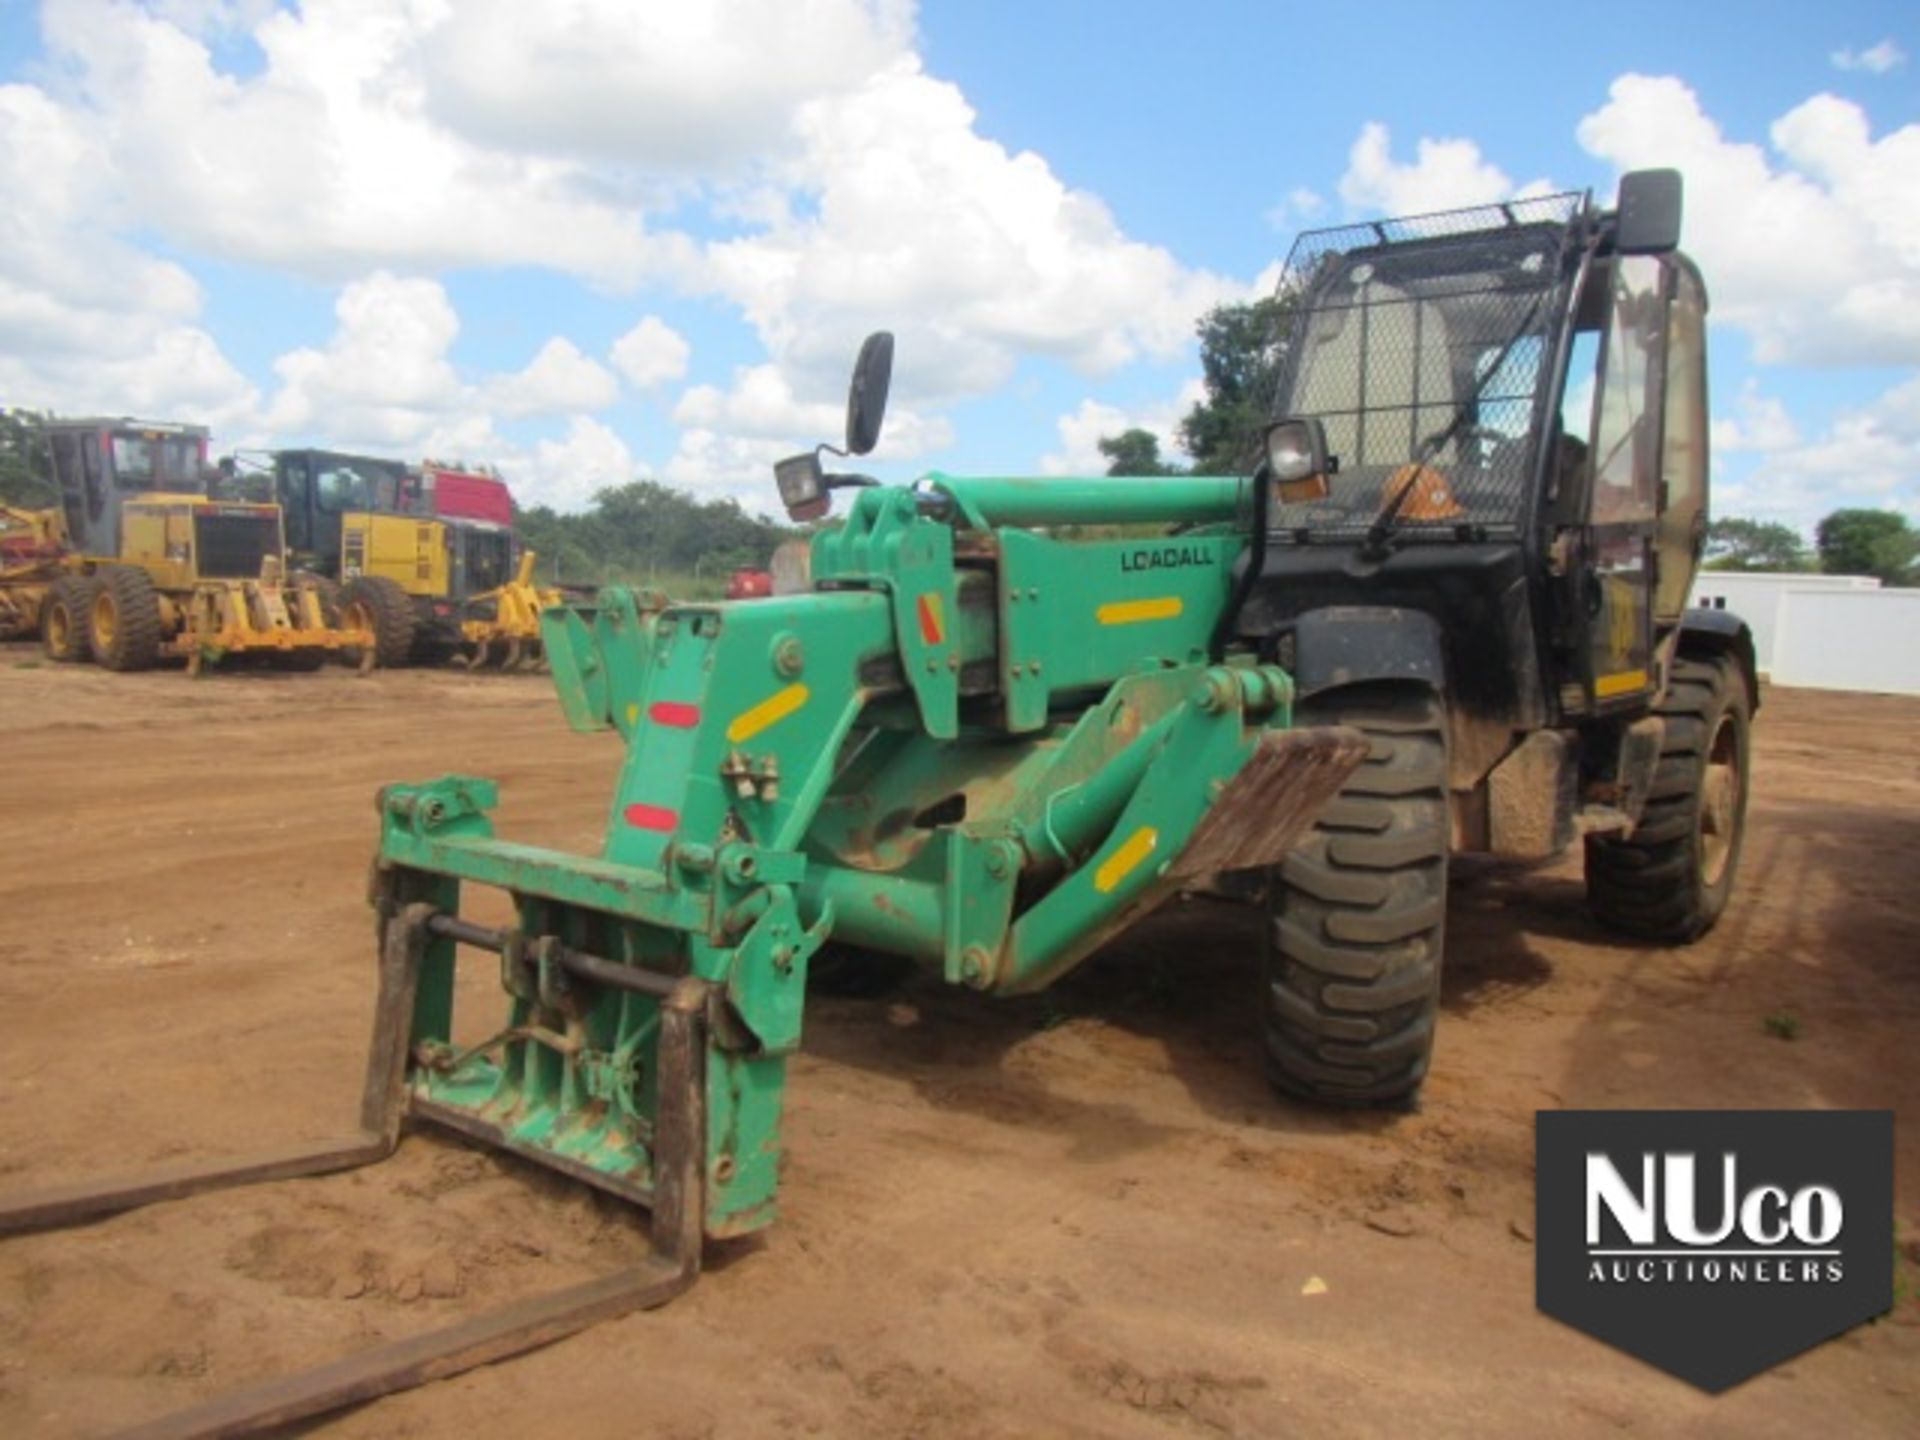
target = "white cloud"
x: 385, y: 382
x: 679, y: 86
x: 560, y: 378
x: 651, y: 353
x: 1446, y: 174
x: 1300, y: 207
x: 973, y: 255
x: 1082, y: 429
x: 1813, y: 250
x: 1759, y: 423
x: 1875, y: 59
x: 86, y: 321
x: 380, y: 141
x: 761, y: 405
x: 384, y: 377
x: 716, y: 465
x: 565, y: 473
x: 326, y: 160
x: 1869, y: 456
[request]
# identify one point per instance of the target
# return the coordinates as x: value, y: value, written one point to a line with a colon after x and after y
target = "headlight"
x: 1297, y: 465
x: 803, y: 488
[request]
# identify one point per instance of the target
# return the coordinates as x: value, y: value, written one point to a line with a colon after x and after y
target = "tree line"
x: 1880, y: 543
x: 645, y: 532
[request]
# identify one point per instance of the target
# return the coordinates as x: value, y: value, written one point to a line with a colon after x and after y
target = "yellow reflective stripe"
x: 1621, y: 682
x: 1122, y: 863
x: 1132, y: 612
x: 633, y: 715
x: 770, y: 711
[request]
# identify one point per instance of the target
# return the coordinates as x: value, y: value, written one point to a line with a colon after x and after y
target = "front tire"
x: 1358, y: 911
x: 64, y: 617
x: 1670, y: 878
x: 124, y: 620
x: 373, y: 602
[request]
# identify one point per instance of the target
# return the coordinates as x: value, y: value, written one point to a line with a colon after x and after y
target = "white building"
x: 1825, y: 632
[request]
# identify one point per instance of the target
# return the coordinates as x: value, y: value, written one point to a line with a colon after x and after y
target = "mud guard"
x: 1348, y: 644
x: 1708, y: 633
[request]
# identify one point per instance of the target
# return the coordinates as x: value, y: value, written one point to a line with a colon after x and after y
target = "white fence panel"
x: 1757, y: 599
x: 1848, y: 640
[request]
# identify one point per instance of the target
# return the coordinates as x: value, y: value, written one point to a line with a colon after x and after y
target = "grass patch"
x: 1782, y: 1025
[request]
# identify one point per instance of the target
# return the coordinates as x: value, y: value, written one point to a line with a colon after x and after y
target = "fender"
x: 1346, y: 644
x: 1707, y: 634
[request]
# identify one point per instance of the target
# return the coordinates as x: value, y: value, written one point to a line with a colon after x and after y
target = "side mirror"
x: 1648, y: 213
x: 867, y: 396
x: 803, y: 488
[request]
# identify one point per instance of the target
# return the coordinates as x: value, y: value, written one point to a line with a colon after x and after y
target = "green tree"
x: 25, y: 479
x: 1135, y: 452
x: 1240, y: 362
x: 645, y: 532
x: 1868, y: 542
x: 1734, y: 543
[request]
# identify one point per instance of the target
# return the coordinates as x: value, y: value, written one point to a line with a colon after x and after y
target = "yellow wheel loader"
x: 137, y: 563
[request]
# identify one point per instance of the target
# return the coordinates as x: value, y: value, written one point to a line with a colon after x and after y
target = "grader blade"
x: 678, y: 1185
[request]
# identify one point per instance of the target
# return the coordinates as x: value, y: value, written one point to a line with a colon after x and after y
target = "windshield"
x: 489, y: 559
x: 156, y: 462
x: 1424, y: 356
x: 342, y: 483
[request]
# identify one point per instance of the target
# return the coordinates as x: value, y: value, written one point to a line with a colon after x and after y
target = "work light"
x: 1297, y: 464
x: 803, y: 488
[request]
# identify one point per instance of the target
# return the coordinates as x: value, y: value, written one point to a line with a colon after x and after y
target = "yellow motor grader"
x: 137, y: 563
x: 426, y: 566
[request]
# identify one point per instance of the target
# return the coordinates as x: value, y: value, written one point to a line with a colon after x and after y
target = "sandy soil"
x: 1083, y: 1214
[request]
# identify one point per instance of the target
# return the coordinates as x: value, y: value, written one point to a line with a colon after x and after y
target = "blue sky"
x: 595, y: 240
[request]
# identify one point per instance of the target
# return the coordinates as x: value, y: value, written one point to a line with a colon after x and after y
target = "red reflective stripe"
x: 675, y: 713
x: 930, y: 621
x: 651, y: 817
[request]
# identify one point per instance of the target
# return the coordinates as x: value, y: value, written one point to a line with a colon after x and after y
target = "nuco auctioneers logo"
x: 1714, y: 1243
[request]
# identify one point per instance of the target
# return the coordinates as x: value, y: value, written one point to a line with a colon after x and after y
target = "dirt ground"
x: 1083, y: 1214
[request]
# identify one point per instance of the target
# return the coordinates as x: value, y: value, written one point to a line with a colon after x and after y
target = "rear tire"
x: 124, y: 619
x: 375, y: 603
x: 1669, y: 879
x: 64, y: 617
x: 1358, y: 911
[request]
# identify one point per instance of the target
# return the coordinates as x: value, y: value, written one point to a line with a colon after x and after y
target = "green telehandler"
x: 1444, y: 611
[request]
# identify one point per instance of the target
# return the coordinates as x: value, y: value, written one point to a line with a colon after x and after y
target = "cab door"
x: 1622, y: 506
x: 293, y: 479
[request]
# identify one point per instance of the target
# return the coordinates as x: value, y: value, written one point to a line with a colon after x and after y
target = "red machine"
x: 749, y: 585
x: 465, y: 494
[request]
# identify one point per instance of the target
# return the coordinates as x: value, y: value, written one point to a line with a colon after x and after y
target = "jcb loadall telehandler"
x: 990, y: 748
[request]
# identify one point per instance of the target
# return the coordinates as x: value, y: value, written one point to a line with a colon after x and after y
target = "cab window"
x: 1683, y: 446
x: 1627, y: 424
x: 133, y: 457
x: 341, y: 488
